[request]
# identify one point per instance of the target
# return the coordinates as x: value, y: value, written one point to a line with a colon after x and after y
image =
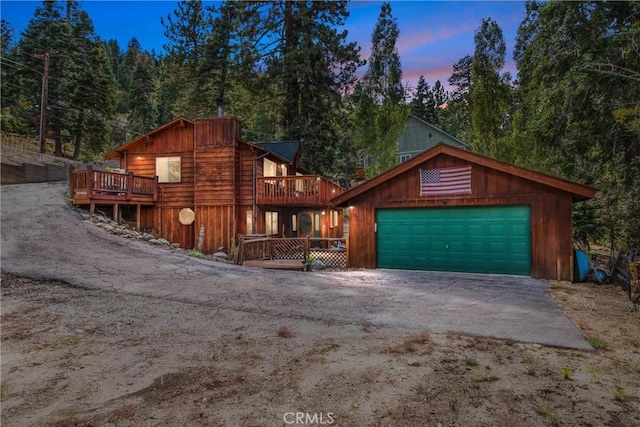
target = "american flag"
x: 454, y: 180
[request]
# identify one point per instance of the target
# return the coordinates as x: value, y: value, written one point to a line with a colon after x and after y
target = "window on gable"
x: 404, y: 157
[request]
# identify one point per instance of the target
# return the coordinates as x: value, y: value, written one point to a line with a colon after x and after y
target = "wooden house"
x: 420, y: 135
x: 452, y: 210
x: 417, y: 137
x: 205, y: 185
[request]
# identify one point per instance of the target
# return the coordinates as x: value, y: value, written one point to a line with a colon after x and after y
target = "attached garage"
x: 452, y: 210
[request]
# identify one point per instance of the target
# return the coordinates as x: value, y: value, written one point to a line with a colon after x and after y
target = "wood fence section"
x: 331, y: 251
x: 27, y: 172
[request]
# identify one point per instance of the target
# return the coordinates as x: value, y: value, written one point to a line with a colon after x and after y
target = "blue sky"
x: 433, y: 34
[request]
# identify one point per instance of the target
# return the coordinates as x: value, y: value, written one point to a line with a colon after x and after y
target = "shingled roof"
x: 288, y: 150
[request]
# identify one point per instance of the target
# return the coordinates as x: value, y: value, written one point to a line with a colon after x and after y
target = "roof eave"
x: 116, y: 152
x: 579, y: 192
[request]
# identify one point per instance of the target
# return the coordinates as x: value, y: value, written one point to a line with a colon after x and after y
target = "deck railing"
x: 306, y: 190
x: 331, y: 251
x: 92, y: 185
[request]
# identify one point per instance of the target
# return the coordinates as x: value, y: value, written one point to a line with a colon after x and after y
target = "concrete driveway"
x: 43, y: 238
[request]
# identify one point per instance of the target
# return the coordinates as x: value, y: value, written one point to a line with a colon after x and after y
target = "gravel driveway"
x: 43, y: 238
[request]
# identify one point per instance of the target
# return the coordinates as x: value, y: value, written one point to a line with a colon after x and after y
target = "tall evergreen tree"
x: 92, y: 97
x: 460, y: 79
x: 423, y: 103
x: 489, y: 91
x: 80, y: 84
x: 382, y: 96
x: 567, y: 122
x: 440, y: 95
x: 49, y: 34
x: 317, y: 66
x: 142, y: 94
x: 12, y: 103
x: 456, y: 117
x: 188, y: 30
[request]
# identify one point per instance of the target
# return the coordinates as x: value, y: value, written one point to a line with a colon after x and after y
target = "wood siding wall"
x: 217, y: 183
x: 163, y: 220
x: 551, y: 232
x: 217, y: 132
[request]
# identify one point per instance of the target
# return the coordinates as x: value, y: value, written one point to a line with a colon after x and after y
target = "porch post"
x: 129, y: 185
x: 89, y: 182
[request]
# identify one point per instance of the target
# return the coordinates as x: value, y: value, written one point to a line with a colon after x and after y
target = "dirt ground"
x: 78, y: 357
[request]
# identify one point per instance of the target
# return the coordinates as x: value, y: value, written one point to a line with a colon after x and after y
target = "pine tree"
x: 49, y: 33
x: 317, y: 66
x: 142, y: 103
x: 382, y: 96
x: 423, y: 103
x: 568, y: 121
x: 189, y: 31
x: 456, y: 117
x: 12, y: 100
x: 92, y: 99
x: 440, y: 95
x: 489, y: 91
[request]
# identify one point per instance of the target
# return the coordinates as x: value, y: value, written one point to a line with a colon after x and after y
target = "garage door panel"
x: 494, y: 239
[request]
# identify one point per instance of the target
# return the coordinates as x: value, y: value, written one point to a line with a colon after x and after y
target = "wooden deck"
x: 296, y: 191
x: 275, y: 264
x: 91, y: 187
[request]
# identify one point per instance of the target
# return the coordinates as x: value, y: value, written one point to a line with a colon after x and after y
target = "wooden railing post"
x: 307, y: 247
x: 89, y: 181
x: 240, y: 258
x: 129, y: 185
x: 346, y: 242
x: 155, y: 190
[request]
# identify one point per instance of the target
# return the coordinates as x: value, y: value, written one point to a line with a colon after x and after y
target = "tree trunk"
x: 58, y: 139
x: 291, y: 85
x: 78, y: 144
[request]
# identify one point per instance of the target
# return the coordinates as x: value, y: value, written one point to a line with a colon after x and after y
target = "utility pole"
x: 43, y: 104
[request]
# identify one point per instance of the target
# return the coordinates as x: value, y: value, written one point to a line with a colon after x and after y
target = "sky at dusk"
x: 433, y: 34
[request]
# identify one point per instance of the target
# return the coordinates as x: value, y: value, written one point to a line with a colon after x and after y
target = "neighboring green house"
x: 419, y: 136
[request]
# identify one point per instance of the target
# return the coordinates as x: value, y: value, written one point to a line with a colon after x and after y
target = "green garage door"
x: 488, y: 239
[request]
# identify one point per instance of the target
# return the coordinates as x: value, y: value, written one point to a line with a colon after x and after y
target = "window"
x: 168, y: 169
x: 294, y: 222
x: 270, y: 168
x: 404, y: 157
x: 333, y: 219
x: 284, y: 169
x: 271, y: 222
x: 316, y: 225
x: 249, y: 222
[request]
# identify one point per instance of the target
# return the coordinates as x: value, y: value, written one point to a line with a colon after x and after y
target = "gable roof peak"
x: 579, y: 191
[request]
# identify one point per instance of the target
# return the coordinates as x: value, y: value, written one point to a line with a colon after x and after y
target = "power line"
x: 16, y: 64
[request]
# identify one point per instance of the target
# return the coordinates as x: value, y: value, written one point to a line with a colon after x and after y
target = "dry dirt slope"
x: 83, y: 357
